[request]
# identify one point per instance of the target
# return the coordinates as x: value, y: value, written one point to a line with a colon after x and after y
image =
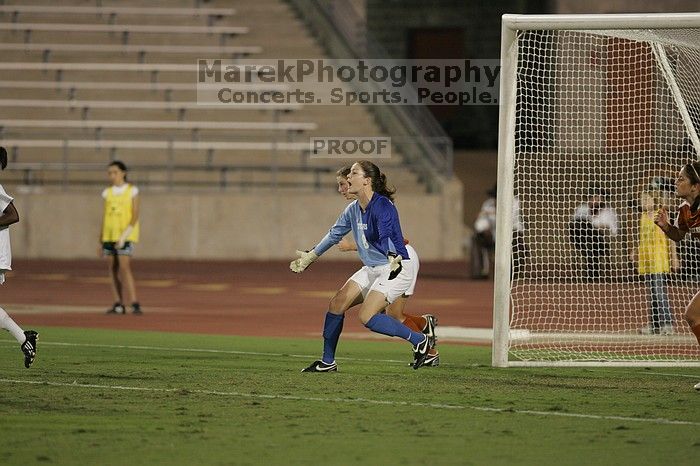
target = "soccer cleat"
x: 430, y: 324
x: 697, y: 386
x: 421, y: 350
x: 320, y: 366
x: 29, y: 347
x: 116, y: 309
x: 433, y: 360
x: 136, y: 309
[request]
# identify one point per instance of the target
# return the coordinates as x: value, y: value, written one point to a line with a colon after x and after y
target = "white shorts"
x: 377, y: 279
x: 416, y: 265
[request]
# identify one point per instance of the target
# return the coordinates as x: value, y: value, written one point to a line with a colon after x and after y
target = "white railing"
x: 342, y: 29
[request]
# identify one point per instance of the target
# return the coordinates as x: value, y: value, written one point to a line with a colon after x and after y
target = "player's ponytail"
x: 3, y: 158
x: 692, y: 169
x: 378, y: 178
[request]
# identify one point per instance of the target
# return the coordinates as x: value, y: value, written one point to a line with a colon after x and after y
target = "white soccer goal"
x: 597, y: 115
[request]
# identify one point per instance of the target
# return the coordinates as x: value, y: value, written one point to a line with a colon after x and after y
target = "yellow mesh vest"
x: 117, y: 215
x: 653, y: 248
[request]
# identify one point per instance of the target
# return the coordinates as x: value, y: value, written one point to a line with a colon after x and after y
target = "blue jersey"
x: 377, y: 231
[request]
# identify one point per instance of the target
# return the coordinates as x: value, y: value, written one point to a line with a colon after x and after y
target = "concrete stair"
x: 272, y: 27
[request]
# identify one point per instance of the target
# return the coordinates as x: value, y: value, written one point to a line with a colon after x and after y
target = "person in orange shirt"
x: 687, y: 221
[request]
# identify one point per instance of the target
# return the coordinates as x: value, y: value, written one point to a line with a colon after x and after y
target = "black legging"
x: 591, y: 243
x: 482, y: 250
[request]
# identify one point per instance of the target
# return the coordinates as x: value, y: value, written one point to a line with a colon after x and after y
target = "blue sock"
x: 382, y: 323
x: 331, y: 333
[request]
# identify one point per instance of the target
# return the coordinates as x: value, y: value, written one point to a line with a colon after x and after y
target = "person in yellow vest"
x: 655, y: 257
x: 120, y: 230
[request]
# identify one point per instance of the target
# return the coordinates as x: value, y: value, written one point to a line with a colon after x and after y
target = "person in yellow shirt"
x: 655, y: 257
x: 120, y: 230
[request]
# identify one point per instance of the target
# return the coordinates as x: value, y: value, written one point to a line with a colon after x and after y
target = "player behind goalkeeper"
x: 687, y: 221
x: 387, y: 271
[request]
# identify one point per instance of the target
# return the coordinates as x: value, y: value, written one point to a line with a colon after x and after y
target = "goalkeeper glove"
x: 305, y: 259
x: 395, y: 266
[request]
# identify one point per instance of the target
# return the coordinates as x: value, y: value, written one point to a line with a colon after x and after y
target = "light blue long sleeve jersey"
x: 375, y: 233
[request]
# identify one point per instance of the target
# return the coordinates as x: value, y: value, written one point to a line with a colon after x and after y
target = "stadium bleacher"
x: 84, y: 83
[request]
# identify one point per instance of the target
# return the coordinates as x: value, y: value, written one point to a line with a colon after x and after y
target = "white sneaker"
x: 666, y: 329
x: 697, y: 386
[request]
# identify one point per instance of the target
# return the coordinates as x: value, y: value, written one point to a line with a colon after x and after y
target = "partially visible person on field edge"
x: 592, y: 226
x: 687, y: 221
x: 483, y: 244
x: 655, y: 256
x: 120, y: 231
x: 9, y: 216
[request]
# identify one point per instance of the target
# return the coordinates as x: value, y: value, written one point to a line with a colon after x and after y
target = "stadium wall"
x: 251, y: 226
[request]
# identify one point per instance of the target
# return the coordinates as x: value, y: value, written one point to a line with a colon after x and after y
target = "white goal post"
x: 597, y: 115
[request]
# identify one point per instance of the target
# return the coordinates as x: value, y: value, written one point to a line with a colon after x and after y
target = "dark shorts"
x: 109, y: 249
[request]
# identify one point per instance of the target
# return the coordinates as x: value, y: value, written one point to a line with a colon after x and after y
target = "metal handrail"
x: 418, y: 122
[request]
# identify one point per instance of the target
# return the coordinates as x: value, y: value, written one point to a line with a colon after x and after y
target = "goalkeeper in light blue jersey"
x: 424, y: 323
x: 387, y: 273
x: 352, y: 219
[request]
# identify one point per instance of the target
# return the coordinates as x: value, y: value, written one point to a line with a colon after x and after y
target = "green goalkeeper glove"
x: 305, y: 259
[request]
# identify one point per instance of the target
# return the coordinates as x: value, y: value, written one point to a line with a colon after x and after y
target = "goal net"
x: 595, y: 126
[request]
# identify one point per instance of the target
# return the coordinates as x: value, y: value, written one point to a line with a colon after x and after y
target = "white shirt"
x: 606, y: 217
x: 486, y: 220
x: 119, y: 190
x: 5, y: 249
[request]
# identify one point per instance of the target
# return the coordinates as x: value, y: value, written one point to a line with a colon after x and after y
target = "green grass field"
x: 113, y: 397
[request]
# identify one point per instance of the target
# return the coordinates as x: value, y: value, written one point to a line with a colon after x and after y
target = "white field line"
x: 444, y: 333
x: 26, y: 309
x: 667, y: 374
x: 298, y: 356
x: 354, y: 401
x: 202, y: 350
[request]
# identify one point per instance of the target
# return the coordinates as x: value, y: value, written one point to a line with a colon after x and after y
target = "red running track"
x: 231, y: 298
